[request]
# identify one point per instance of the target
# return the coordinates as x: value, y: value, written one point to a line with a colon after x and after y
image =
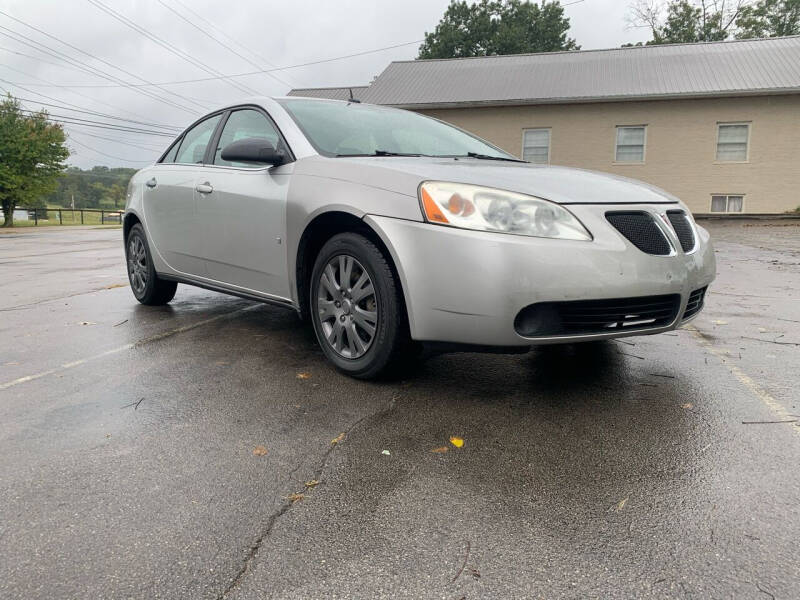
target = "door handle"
x: 151, y: 183
x: 204, y: 188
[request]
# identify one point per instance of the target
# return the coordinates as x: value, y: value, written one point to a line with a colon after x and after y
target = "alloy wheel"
x: 137, y: 264
x: 347, y: 307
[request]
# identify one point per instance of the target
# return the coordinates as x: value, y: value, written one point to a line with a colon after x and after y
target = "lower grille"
x: 695, y: 303
x: 641, y: 230
x: 581, y: 317
x: 680, y: 223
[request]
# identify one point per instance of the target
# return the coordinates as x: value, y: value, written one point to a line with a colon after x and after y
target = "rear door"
x: 170, y: 205
x: 242, y: 211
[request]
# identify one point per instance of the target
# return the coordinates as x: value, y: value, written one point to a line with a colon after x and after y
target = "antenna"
x: 352, y: 99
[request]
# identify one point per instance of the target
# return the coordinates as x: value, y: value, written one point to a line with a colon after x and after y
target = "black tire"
x: 148, y: 288
x: 391, y: 335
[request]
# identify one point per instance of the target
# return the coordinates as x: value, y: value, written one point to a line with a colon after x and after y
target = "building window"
x: 630, y: 144
x: 732, y: 142
x: 536, y: 146
x: 727, y: 204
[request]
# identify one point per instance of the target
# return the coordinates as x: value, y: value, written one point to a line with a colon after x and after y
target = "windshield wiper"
x: 490, y: 157
x: 381, y: 153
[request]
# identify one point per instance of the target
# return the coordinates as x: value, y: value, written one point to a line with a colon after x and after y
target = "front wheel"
x: 146, y: 285
x: 356, y: 307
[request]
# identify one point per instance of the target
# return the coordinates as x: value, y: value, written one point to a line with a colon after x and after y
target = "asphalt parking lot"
x: 154, y: 452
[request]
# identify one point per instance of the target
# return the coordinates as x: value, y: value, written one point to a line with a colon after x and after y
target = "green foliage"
x: 687, y: 21
x: 99, y: 187
x: 495, y: 27
x: 32, y: 153
x: 769, y: 18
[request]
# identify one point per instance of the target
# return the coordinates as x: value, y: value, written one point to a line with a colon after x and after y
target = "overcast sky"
x: 270, y: 34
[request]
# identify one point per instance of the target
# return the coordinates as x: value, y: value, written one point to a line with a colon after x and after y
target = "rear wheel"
x: 356, y: 307
x: 147, y: 287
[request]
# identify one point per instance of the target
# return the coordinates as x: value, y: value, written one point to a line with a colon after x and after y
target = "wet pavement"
x: 648, y: 467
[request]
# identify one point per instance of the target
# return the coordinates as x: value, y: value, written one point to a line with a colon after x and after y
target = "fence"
x: 84, y: 216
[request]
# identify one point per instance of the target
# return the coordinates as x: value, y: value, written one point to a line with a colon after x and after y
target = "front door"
x: 242, y: 212
x: 170, y: 201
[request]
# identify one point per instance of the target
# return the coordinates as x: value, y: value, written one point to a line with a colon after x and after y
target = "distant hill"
x: 98, y: 187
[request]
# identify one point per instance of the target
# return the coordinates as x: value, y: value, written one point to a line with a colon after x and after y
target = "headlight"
x: 488, y: 209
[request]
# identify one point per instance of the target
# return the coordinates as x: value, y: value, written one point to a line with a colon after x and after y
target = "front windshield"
x: 353, y: 129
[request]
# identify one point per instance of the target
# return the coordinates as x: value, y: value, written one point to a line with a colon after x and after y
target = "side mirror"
x: 253, y: 150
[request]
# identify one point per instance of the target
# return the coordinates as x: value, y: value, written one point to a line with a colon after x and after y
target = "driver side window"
x: 245, y: 123
x: 193, y: 147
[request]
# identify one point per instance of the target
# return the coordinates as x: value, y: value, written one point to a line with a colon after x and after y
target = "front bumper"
x: 467, y: 287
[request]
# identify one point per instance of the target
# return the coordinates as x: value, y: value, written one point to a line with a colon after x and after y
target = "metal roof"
x: 331, y: 93
x: 734, y: 68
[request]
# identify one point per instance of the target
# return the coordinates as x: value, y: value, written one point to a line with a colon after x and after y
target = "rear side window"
x: 246, y: 123
x: 169, y: 157
x: 193, y: 146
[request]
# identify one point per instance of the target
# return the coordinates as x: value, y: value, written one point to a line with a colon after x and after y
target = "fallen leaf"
x: 304, y: 375
x: 622, y: 504
x: 312, y: 483
x: 221, y: 363
x: 337, y: 439
x: 457, y: 441
x: 386, y: 453
x: 108, y: 435
x: 295, y: 497
x: 687, y: 406
x: 440, y: 450
x: 259, y: 451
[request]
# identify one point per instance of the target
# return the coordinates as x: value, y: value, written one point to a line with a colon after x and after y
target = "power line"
x: 100, y: 125
x: 250, y: 73
x: 90, y: 112
x: 87, y: 69
x: 79, y: 120
x: 27, y: 41
x: 234, y: 41
x: 97, y: 58
x: 90, y: 98
x: 164, y: 44
x: 217, y: 40
x: 95, y: 150
x: 47, y: 62
x: 124, y: 142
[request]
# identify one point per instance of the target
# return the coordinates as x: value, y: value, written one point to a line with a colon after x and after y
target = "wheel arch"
x: 317, y: 232
x: 128, y: 222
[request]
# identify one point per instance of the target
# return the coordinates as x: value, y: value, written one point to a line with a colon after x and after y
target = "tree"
x: 685, y: 21
x: 117, y: 194
x: 32, y: 152
x: 494, y: 27
x: 98, y: 187
x: 769, y: 18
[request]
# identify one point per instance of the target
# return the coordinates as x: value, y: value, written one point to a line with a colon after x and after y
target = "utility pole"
x: 73, y: 200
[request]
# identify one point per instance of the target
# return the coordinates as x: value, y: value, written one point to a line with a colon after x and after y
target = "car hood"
x: 564, y: 185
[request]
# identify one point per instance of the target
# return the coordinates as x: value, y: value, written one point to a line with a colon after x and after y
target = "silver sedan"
x: 388, y: 230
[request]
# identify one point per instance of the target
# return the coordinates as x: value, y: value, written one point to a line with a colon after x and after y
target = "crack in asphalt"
x: 252, y: 553
x: 130, y: 346
x: 54, y: 299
